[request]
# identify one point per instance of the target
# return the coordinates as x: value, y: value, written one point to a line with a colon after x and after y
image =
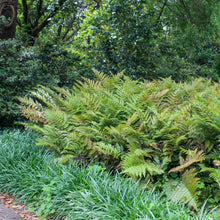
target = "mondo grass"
x: 31, y: 174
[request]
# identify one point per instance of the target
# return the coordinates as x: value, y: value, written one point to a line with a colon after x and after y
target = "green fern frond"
x: 131, y: 119
x: 100, y: 76
x: 46, y: 95
x: 108, y: 149
x: 192, y: 157
x: 57, y: 117
x: 135, y: 165
x: 71, y: 146
x: 65, y: 158
x: 63, y: 91
x: 92, y: 101
x: 186, y: 191
x: 141, y: 170
x: 214, y: 173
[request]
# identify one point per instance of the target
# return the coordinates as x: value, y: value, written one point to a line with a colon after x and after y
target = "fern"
x: 185, y: 191
x: 214, y: 173
x: 107, y: 149
x: 65, y: 158
x: 138, y: 127
x: 32, y: 110
x: 135, y: 164
x: 191, y: 158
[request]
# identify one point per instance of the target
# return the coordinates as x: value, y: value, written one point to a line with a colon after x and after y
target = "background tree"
x: 152, y: 39
x: 8, y: 15
x: 56, y: 20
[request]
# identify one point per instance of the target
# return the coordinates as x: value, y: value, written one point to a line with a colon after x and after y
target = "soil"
x: 9, y: 210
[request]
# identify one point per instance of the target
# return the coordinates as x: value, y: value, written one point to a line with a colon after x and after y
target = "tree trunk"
x: 8, y: 9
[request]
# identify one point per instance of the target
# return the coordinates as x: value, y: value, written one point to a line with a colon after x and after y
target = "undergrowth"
x: 32, y: 175
x: 164, y: 132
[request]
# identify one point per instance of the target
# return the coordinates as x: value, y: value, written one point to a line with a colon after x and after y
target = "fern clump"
x: 145, y: 129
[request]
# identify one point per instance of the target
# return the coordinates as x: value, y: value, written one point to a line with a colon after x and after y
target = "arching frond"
x: 108, y: 149
x: 191, y: 158
x: 214, y: 173
x: 186, y: 190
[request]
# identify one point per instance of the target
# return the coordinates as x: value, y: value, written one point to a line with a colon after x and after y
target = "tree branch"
x: 25, y: 11
x: 161, y: 11
x: 47, y: 20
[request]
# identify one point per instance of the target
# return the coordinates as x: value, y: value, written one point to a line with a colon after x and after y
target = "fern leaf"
x: 214, y: 173
x: 131, y: 119
x: 65, y: 158
x: 190, y: 159
x: 134, y: 164
x: 142, y: 169
x: 108, y: 149
x: 186, y: 190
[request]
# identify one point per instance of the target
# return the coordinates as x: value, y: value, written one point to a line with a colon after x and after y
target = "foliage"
x: 23, y: 68
x: 151, y: 39
x: 122, y: 35
x: 3, y: 21
x: 50, y: 21
x: 186, y: 190
x: 30, y: 173
x: 138, y: 127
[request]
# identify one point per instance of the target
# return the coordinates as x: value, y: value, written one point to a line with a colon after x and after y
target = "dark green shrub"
x: 24, y: 68
x: 129, y: 36
x: 121, y: 35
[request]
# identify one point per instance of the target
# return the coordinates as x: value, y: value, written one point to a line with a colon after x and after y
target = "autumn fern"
x: 186, y: 190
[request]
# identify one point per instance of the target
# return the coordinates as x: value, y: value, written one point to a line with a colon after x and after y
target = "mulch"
x: 9, y: 210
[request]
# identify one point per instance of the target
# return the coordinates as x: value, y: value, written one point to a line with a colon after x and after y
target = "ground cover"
x: 31, y: 174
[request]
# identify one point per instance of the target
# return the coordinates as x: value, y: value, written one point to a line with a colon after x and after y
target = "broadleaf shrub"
x: 143, y: 128
x: 22, y: 69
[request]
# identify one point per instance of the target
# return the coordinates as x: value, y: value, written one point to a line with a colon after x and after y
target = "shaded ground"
x: 11, y: 211
x: 8, y: 214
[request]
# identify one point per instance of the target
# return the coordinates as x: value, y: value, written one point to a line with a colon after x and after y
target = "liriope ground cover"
x: 54, y: 191
x: 161, y: 132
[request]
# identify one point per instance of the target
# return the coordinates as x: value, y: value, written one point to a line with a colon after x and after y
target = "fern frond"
x: 140, y: 170
x: 100, y: 76
x: 108, y: 149
x: 192, y: 157
x: 63, y: 91
x: 57, y: 117
x: 186, y: 190
x: 131, y: 119
x: 32, y: 110
x: 134, y: 164
x: 214, y: 173
x: 46, y: 95
x: 65, y: 158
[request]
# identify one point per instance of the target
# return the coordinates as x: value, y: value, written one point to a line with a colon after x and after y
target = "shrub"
x: 148, y: 130
x: 23, y: 68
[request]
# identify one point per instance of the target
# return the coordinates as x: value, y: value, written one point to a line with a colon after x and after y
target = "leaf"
x: 190, y: 159
x: 216, y: 163
x: 214, y: 173
x: 186, y: 190
x: 141, y: 170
